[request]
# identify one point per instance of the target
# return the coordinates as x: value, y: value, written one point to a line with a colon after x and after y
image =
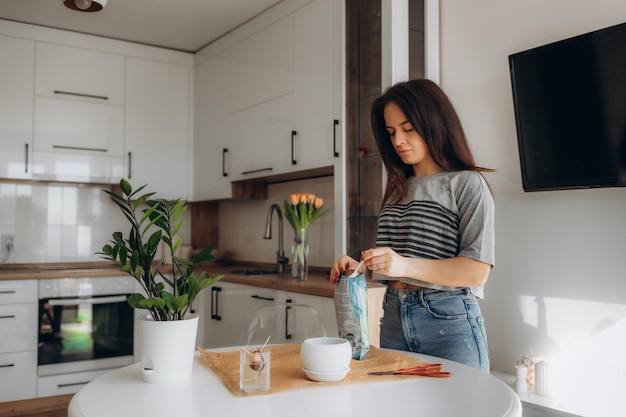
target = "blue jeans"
x: 447, y: 324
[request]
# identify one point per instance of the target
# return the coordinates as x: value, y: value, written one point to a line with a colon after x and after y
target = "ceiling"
x: 183, y: 25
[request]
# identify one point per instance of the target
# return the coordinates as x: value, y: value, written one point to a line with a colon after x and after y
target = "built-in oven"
x: 85, y: 324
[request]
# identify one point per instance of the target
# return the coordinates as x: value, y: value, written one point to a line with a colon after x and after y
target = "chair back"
x: 282, y: 323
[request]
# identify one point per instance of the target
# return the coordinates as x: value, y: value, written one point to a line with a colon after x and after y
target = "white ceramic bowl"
x: 326, y: 376
x: 326, y: 354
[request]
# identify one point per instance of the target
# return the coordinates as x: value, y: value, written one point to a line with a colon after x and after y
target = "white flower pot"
x: 166, y: 348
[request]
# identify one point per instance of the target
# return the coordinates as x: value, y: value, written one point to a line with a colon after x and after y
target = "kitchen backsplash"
x: 242, y: 224
x: 71, y: 222
x: 58, y: 222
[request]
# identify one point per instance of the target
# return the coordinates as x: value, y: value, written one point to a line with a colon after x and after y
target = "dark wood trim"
x: 42, y: 406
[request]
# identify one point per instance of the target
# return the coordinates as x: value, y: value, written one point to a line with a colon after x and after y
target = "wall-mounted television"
x: 570, y: 111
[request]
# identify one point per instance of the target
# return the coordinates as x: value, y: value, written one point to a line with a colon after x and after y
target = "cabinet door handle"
x: 7, y: 292
x: 79, y: 148
x: 130, y: 165
x: 7, y: 365
x: 215, y: 303
x: 335, y: 124
x: 293, y: 136
x: 257, y: 170
x: 70, y: 93
x: 72, y: 384
x: 26, y: 158
x: 224, y: 152
x: 92, y: 301
x: 258, y: 297
x: 7, y: 317
x: 287, y: 334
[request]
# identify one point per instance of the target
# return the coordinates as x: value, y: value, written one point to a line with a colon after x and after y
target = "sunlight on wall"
x: 587, y: 370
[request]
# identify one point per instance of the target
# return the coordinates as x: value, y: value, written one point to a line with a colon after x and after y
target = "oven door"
x: 79, y: 334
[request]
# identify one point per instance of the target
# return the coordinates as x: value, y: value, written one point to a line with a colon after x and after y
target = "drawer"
x: 18, y: 327
x: 18, y: 373
x: 48, y: 386
x: 18, y: 291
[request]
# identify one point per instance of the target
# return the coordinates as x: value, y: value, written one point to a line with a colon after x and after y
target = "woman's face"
x: 409, y: 145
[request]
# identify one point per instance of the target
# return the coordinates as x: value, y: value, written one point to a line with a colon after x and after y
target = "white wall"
x: 560, y: 277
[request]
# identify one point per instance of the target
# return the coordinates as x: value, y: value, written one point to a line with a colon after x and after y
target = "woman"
x: 435, y: 242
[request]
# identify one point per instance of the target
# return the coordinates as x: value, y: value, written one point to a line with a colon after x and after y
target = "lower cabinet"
x: 20, y: 368
x: 325, y: 307
x: 18, y: 339
x: 48, y: 386
x: 227, y: 307
x: 221, y: 315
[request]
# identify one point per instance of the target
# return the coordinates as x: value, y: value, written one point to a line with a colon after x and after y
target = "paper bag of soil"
x: 351, y: 307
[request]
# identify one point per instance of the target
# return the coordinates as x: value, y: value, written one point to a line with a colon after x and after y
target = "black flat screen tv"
x: 569, y: 99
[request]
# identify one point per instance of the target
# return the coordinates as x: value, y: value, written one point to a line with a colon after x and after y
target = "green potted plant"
x: 167, y: 291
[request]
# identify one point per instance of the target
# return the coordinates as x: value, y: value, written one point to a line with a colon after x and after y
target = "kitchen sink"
x: 253, y: 272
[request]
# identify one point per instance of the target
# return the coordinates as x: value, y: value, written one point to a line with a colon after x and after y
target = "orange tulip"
x: 319, y: 202
x: 294, y: 199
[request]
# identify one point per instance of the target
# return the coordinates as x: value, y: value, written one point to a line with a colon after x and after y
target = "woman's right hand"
x: 344, y: 264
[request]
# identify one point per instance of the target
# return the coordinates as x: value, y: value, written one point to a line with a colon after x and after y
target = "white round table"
x: 469, y: 393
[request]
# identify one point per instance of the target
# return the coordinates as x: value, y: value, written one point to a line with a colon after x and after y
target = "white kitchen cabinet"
x: 18, y: 291
x: 256, y: 297
x: 78, y: 141
x: 260, y: 101
x: 262, y: 139
x: 212, y: 152
x: 79, y: 74
x: 49, y: 386
x: 222, y: 314
x: 17, y: 60
x: 78, y: 114
x: 158, y: 126
x: 261, y: 65
x: 325, y: 307
x: 18, y: 339
x: 18, y: 325
x: 317, y: 86
x: 18, y: 373
x: 284, y: 95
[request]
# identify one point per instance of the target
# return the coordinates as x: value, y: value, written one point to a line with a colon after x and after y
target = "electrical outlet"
x: 7, y: 243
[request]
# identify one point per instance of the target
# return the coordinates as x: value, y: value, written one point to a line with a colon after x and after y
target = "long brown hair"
x: 431, y: 114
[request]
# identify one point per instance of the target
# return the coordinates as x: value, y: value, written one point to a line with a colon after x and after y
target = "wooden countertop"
x: 317, y: 283
x: 58, y: 270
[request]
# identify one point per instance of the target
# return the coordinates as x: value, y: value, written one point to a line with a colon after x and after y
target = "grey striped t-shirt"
x: 444, y: 215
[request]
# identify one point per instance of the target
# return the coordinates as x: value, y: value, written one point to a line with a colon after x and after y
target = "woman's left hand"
x: 385, y: 261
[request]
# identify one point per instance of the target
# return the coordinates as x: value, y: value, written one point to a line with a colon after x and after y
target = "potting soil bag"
x: 351, y: 307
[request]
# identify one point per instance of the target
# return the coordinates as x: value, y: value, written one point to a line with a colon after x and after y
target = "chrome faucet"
x: 281, y: 260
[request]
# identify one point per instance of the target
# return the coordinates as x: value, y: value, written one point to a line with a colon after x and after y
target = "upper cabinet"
x: 78, y: 108
x: 212, y: 169
x: 158, y: 126
x: 283, y: 95
x: 17, y: 59
x: 79, y: 74
x: 317, y: 85
x: 260, y: 102
x: 78, y: 114
x: 261, y: 65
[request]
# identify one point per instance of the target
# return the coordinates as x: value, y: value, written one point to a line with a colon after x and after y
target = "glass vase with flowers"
x: 301, y: 210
